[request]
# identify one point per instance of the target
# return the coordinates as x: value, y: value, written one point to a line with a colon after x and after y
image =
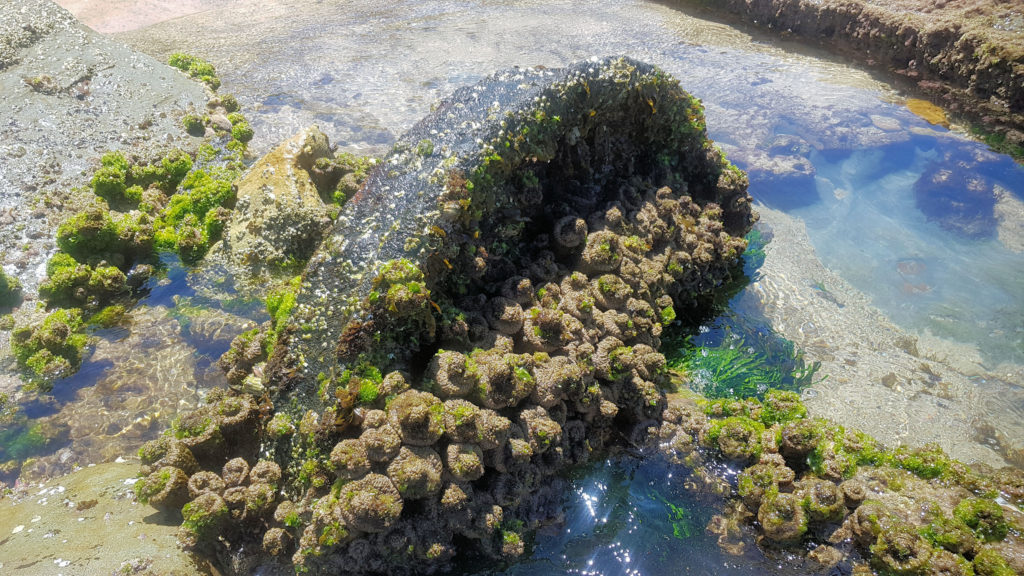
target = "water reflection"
x: 630, y: 516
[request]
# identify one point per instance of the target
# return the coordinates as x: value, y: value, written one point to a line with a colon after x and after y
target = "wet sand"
x: 88, y: 523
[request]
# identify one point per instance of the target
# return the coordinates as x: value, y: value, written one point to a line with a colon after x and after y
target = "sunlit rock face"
x: 280, y: 216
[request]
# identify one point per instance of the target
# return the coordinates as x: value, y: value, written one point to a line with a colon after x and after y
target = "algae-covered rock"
x: 822, y: 499
x: 901, y: 550
x: 418, y: 417
x: 10, y: 290
x: 984, y: 516
x: 165, y: 489
x: 280, y: 217
x: 782, y: 518
x: 203, y: 517
x: 350, y: 459
x: 205, y: 481
x: 416, y: 472
x: 509, y: 267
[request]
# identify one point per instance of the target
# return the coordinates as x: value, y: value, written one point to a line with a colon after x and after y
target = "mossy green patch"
x: 52, y: 348
x: 988, y: 562
x: 242, y: 132
x: 108, y: 317
x: 984, y: 516
x: 10, y: 290
x: 196, y: 68
x: 204, y: 515
x: 193, y: 124
x: 928, y: 462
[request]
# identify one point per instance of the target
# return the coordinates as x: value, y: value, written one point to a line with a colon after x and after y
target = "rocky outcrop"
x: 969, y: 55
x: 485, y: 313
x: 69, y: 94
x: 814, y: 488
x: 279, y: 217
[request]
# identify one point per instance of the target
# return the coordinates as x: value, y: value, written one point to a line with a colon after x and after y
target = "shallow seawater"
x: 945, y: 271
x: 630, y: 516
x: 134, y: 380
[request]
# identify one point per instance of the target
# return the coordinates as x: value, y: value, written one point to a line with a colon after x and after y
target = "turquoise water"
x: 931, y: 264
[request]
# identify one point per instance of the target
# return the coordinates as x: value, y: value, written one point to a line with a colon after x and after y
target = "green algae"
x: 109, y: 316
x: 52, y: 348
x: 10, y: 291
x: 196, y: 68
x: 242, y: 132
x: 193, y: 124
x: 984, y: 516
x: 988, y: 562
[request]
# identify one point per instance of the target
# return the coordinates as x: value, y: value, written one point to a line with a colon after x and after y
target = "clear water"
x: 630, y: 516
x: 365, y: 71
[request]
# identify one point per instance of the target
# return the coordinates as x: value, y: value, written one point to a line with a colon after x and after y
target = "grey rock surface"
x: 67, y: 95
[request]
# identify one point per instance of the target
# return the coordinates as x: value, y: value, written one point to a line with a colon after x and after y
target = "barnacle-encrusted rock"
x: 259, y: 499
x: 204, y: 517
x: 492, y: 429
x: 822, y: 499
x: 418, y: 417
x: 350, y: 459
x: 205, y: 481
x: 167, y: 451
x: 266, y: 472
x: 450, y: 372
x: 465, y: 462
x: 277, y: 542
x: 165, y: 489
x: 460, y: 420
x: 901, y: 550
x: 381, y: 443
x: 235, y: 472
x: 782, y: 518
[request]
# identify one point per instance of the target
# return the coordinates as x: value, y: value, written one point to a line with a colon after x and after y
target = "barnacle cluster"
x: 488, y: 311
x: 807, y: 484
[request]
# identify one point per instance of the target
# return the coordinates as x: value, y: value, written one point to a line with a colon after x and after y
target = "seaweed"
x: 740, y: 360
